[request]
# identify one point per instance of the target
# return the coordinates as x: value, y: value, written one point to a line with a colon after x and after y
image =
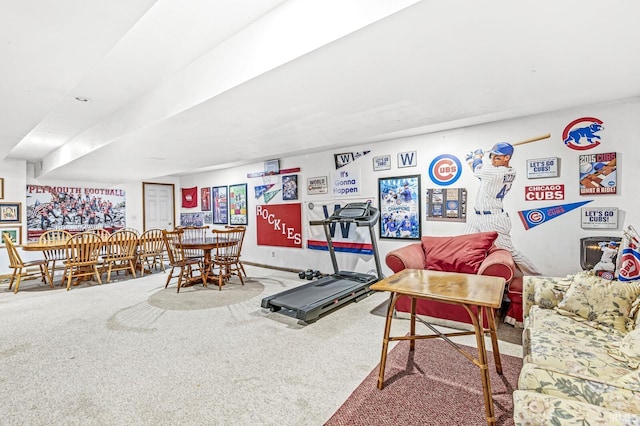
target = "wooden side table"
x: 475, y: 293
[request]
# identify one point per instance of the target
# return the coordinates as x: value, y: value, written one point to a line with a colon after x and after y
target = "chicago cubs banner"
x: 535, y: 217
x: 279, y: 225
x: 346, y: 237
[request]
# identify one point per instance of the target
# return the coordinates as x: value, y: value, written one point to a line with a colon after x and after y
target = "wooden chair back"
x: 122, y: 246
x: 59, y: 236
x: 194, y: 232
x: 177, y: 256
x: 151, y: 248
x: 83, y: 253
x: 227, y: 253
x: 17, y: 264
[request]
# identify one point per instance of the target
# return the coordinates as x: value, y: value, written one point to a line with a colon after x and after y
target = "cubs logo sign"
x: 581, y: 134
x: 630, y: 265
x: 445, y: 169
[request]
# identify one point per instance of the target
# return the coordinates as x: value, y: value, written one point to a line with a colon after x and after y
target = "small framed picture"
x: 272, y: 167
x: 1, y: 188
x: 10, y: 212
x: 14, y: 231
x: 317, y: 185
x: 382, y: 162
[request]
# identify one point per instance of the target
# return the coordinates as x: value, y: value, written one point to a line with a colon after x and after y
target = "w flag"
x: 630, y: 265
x: 629, y: 258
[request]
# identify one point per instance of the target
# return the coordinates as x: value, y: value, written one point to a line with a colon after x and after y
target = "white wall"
x: 553, y: 246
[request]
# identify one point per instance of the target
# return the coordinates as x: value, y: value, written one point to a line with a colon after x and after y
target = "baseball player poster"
x: 399, y: 199
x: 598, y: 174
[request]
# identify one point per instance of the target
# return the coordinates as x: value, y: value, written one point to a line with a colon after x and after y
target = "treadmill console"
x: 356, y: 212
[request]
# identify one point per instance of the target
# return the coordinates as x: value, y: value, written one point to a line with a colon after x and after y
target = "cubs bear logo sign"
x: 581, y: 134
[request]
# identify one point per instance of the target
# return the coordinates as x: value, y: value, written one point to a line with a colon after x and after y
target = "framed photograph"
x: 317, y: 185
x: 10, y: 212
x: 382, y: 162
x: 399, y: 199
x: 1, y: 188
x: 220, y: 205
x: 238, y: 204
x: 14, y: 231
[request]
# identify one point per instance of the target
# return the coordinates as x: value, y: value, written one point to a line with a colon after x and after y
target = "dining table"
x: 207, y: 245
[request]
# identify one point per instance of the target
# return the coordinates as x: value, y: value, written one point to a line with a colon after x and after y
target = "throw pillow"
x: 461, y: 253
x: 630, y: 345
x: 603, y: 301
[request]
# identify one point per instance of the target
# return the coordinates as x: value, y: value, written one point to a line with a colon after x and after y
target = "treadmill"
x: 308, y: 301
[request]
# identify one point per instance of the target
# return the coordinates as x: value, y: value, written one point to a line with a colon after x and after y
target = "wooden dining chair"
x: 194, y: 232
x: 177, y: 257
x: 239, y: 265
x: 151, y: 249
x: 226, y: 257
x: 83, y: 255
x: 121, y: 253
x: 18, y: 265
x: 58, y: 237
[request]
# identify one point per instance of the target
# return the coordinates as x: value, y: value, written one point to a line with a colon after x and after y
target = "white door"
x: 159, y: 205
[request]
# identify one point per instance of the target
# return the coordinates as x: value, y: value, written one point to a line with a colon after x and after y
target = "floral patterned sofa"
x: 581, y: 347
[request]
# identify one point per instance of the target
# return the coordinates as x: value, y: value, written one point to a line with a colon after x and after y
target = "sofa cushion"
x: 603, y: 301
x: 460, y: 253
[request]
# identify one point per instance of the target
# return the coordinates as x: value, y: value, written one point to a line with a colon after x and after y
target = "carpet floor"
x: 433, y: 386
x: 131, y: 352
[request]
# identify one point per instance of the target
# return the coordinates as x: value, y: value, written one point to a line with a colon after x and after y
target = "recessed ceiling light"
x: 82, y: 99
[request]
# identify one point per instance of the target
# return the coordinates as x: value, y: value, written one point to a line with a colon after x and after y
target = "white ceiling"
x: 179, y: 86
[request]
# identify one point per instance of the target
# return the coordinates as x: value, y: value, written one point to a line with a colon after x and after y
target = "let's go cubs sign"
x: 279, y: 225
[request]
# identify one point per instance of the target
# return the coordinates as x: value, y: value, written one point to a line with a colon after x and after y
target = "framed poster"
x: 10, y: 212
x: 399, y: 199
x: 238, y: 204
x: 1, y: 188
x: 290, y: 187
x: 220, y: 205
x: 598, y: 173
x: 14, y: 231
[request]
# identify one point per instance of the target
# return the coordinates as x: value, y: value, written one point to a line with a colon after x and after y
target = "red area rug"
x: 434, y: 385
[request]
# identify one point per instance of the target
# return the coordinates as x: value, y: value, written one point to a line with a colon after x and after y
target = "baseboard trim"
x: 277, y: 268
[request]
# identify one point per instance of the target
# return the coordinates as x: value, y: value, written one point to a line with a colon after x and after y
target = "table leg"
x: 491, y: 319
x: 207, y: 267
x: 476, y: 318
x: 385, y: 339
x: 412, y: 330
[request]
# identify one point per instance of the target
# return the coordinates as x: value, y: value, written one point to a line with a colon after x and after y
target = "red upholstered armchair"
x: 470, y: 253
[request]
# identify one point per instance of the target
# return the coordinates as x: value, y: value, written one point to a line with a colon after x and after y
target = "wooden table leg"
x: 483, y: 365
x: 385, y: 339
x: 491, y: 319
x: 412, y: 342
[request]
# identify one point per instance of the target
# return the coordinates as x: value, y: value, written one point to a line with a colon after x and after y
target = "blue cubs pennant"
x: 535, y: 217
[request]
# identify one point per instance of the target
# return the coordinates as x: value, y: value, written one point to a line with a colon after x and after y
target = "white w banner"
x: 346, y: 237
